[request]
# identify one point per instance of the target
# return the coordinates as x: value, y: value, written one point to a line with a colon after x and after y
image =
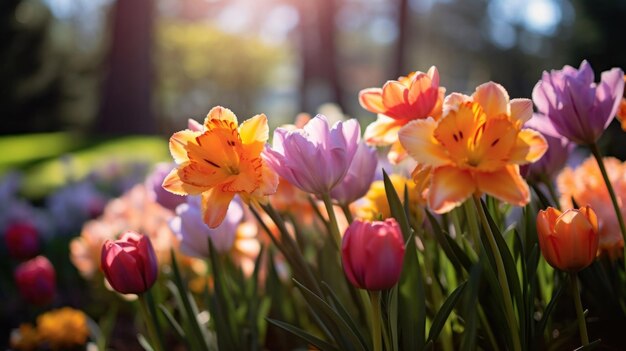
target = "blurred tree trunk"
x: 403, y: 25
x: 126, y: 97
x: 318, y: 51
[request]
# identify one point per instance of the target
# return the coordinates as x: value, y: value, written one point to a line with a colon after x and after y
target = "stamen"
x: 212, y: 163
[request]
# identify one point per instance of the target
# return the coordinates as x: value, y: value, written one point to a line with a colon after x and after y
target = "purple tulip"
x: 129, y: 264
x: 157, y: 193
x: 555, y: 157
x: 194, y: 234
x: 315, y: 158
x: 579, y: 109
x: 359, y: 177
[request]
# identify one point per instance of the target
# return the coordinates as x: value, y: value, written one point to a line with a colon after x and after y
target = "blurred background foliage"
x: 86, y: 70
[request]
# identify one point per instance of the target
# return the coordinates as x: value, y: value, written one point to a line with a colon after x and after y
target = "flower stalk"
x: 582, y: 325
x: 150, y: 321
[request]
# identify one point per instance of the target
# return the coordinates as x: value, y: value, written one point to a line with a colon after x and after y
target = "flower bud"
x: 129, y: 264
x: 568, y: 240
x: 22, y: 240
x: 372, y: 254
x: 36, y: 280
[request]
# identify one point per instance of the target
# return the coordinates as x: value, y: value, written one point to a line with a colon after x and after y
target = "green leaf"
x: 341, y: 310
x: 541, y: 327
x: 442, y: 315
x: 172, y: 322
x: 315, y: 341
x: 224, y: 309
x: 590, y: 346
x: 144, y: 342
x: 470, y: 315
x: 453, y: 251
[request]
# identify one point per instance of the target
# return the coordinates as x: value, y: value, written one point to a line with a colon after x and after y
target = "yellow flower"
x: 476, y: 147
x: 374, y: 206
x: 25, y: 338
x: 63, y: 328
x: 220, y: 162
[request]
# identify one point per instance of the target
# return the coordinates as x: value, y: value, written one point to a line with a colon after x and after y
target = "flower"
x: 22, y: 240
x: 359, y: 176
x: 63, y: 328
x: 586, y: 187
x: 129, y: 264
x: 416, y: 96
x: 568, y: 240
x: 36, y: 280
x: 135, y: 210
x: 372, y: 254
x: 220, y: 162
x: 579, y: 109
x: 555, y: 158
x: 315, y: 158
x: 25, y: 338
x: 374, y: 205
x: 194, y: 234
x: 154, y: 185
x: 475, y: 147
x: 621, y: 110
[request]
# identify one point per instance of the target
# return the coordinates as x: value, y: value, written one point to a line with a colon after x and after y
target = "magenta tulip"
x: 372, y: 254
x: 22, y: 240
x: 315, y: 158
x: 359, y: 176
x: 579, y: 108
x: 129, y: 264
x: 36, y: 280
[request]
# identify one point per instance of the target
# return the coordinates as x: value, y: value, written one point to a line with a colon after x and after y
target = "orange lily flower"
x: 476, y: 147
x: 416, y: 96
x: 220, y: 162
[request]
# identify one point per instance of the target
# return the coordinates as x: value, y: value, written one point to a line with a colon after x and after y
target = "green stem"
x: 376, y: 317
x: 596, y: 153
x: 582, y: 325
x: 334, y: 226
x: 502, y: 278
x: 346, y: 211
x: 473, y: 226
x: 150, y: 323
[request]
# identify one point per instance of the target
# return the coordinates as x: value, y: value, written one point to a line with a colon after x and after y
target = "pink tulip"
x: 373, y: 253
x: 22, y: 240
x: 36, y: 280
x: 129, y: 264
x: 579, y: 108
x: 315, y: 158
x: 359, y: 177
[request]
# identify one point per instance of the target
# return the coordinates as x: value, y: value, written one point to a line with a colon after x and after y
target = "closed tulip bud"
x: 568, y: 240
x: 372, y: 254
x: 129, y: 264
x: 22, y: 240
x: 36, y: 280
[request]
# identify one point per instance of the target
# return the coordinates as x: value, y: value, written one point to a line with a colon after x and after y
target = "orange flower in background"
x: 585, y: 185
x: 568, y: 240
x: 476, y: 147
x: 416, y: 96
x: 63, y: 329
x: 220, y: 162
x: 621, y: 111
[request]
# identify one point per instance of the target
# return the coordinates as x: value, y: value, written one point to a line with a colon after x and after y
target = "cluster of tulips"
x: 421, y: 247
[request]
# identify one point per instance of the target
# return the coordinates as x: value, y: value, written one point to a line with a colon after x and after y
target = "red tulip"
x: 36, y: 280
x: 129, y: 264
x: 22, y: 240
x: 372, y: 254
x: 568, y: 240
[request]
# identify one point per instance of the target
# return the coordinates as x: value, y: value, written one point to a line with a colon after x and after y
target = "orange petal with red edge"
x: 383, y: 131
x: 529, y: 147
x: 449, y: 187
x: 214, y: 206
x: 220, y: 113
x: 417, y: 138
x: 178, y: 143
x: 371, y: 99
x: 505, y: 184
x: 175, y: 185
x: 493, y: 98
x: 395, y: 94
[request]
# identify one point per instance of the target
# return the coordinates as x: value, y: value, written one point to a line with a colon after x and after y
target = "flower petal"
x: 178, y: 143
x: 521, y: 110
x: 254, y: 130
x: 220, y: 113
x: 215, y: 205
x: 449, y: 187
x: 493, y: 98
x: 529, y: 147
x: 372, y: 100
x: 383, y: 131
x: 506, y: 184
x: 417, y: 138
x: 175, y: 185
